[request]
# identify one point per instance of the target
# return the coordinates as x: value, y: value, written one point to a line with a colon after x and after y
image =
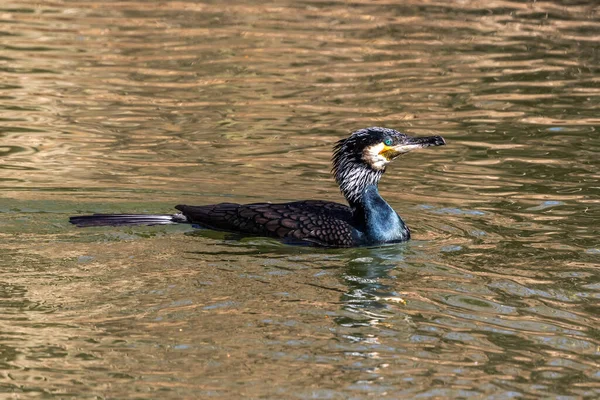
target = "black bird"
x: 359, y: 161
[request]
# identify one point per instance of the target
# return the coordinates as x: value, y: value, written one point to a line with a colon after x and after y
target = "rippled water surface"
x: 135, y: 106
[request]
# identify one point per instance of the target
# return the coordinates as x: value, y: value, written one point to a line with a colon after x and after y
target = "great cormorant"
x: 359, y: 161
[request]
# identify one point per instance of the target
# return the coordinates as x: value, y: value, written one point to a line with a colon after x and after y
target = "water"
x: 128, y: 106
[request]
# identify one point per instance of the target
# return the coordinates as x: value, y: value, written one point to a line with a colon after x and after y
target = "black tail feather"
x: 127, y: 219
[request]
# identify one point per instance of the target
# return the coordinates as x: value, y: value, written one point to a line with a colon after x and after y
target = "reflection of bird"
x: 358, y: 163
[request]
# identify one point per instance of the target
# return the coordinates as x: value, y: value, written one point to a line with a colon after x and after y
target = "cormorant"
x: 359, y: 161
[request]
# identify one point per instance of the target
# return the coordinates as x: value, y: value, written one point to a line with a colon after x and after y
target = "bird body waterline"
x: 359, y: 162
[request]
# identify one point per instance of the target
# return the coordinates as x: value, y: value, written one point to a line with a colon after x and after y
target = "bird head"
x: 361, y: 159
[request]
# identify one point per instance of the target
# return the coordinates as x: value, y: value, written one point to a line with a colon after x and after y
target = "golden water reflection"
x: 129, y: 106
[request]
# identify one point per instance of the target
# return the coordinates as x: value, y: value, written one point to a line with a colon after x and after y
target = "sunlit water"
x: 129, y: 106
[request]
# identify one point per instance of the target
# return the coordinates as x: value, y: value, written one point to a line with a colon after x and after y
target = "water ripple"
x: 121, y: 107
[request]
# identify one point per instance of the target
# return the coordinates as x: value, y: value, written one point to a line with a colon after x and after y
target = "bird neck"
x: 377, y: 219
x: 353, y: 179
x: 374, y: 218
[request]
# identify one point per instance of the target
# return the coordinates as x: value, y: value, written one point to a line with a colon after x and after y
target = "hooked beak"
x: 411, y: 143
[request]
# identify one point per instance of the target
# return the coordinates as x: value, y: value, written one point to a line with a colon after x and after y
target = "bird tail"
x: 127, y: 219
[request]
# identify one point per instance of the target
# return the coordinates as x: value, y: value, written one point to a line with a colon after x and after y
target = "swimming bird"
x: 359, y: 162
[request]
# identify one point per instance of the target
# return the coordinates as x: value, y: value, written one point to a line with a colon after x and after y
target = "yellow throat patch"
x: 379, y: 155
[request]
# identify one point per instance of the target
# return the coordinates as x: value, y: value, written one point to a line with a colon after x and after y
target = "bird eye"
x: 388, y: 141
